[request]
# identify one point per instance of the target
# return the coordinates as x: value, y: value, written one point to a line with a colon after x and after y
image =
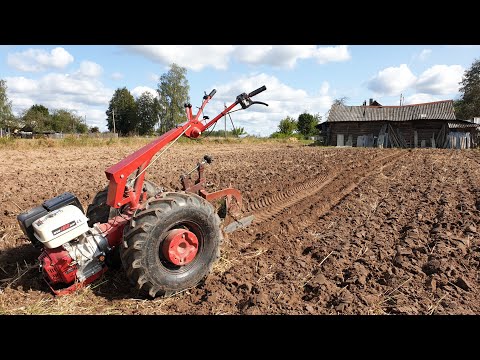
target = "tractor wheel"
x: 172, y: 244
x: 99, y: 211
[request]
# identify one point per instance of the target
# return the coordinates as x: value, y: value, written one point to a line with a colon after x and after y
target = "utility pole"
x: 113, y: 117
x: 225, y: 106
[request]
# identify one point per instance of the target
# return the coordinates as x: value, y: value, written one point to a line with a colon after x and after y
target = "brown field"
x: 337, y: 231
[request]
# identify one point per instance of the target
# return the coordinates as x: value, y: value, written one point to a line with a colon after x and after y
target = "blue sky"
x: 298, y: 77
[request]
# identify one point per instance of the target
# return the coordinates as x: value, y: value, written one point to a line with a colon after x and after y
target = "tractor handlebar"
x: 213, y: 92
x: 258, y: 91
x: 244, y: 99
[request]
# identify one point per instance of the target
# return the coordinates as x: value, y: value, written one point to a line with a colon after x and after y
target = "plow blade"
x: 238, y: 224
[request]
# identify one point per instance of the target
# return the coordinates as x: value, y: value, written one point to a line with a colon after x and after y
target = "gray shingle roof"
x: 439, y: 110
x: 463, y: 125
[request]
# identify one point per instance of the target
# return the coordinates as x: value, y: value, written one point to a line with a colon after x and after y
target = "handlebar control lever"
x: 213, y: 92
x: 244, y: 100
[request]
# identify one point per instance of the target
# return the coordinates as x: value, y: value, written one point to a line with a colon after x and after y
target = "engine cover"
x: 60, y: 226
x: 58, y: 266
x: 75, y: 263
x: 88, y: 252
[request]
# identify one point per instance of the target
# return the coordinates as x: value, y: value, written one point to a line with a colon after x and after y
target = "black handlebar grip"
x: 212, y: 93
x: 258, y: 91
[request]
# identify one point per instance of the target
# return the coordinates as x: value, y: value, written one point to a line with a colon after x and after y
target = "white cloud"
x: 424, y: 54
x: 324, y: 88
x: 288, y: 55
x: 392, y: 80
x: 193, y: 57
x: 198, y: 57
x: 440, y: 79
x: 85, y: 95
x: 88, y: 96
x: 420, y: 98
x: 274, y: 55
x: 332, y: 54
x: 282, y: 99
x: 116, y: 76
x: 90, y: 69
x: 21, y: 84
x: 34, y: 60
x: 139, y: 90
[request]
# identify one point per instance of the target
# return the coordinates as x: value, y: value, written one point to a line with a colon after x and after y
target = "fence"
x: 459, y: 140
x: 4, y: 133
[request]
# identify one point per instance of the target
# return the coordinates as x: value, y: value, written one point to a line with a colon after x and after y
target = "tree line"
x: 39, y: 118
x: 150, y: 114
x: 468, y: 105
x: 304, y: 126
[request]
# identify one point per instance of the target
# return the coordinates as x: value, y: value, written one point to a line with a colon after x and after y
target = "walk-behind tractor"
x: 166, y: 241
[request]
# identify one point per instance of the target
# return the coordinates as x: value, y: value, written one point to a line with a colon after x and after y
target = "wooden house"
x: 418, y: 125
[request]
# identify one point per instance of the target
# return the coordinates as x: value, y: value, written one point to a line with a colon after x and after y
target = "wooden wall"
x: 426, y: 129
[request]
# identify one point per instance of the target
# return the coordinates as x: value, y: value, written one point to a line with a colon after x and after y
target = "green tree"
x: 62, y: 121
x: 94, y: 129
x: 468, y: 106
x: 238, y: 131
x: 287, y: 126
x: 125, y: 109
x: 173, y: 90
x: 148, y: 110
x: 37, y: 118
x: 66, y: 121
x: 306, y: 124
x: 40, y: 109
x: 7, y: 119
x: 81, y: 128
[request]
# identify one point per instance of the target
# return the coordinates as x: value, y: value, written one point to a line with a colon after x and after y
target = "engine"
x: 72, y: 252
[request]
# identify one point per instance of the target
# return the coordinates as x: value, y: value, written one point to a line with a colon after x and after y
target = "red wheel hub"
x: 180, y: 246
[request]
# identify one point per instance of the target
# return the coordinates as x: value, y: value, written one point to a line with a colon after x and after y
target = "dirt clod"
x: 431, y: 267
x: 463, y: 283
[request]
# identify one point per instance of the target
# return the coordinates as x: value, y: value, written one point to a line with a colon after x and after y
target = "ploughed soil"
x: 336, y: 231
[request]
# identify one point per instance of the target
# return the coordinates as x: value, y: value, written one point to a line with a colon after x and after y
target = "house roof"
x: 462, y: 124
x: 438, y: 110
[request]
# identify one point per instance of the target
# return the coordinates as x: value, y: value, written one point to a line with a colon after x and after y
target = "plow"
x: 166, y: 241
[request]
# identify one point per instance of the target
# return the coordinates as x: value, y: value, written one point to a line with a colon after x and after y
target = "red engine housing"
x: 57, y: 266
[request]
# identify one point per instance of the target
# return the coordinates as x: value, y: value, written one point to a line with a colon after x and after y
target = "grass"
x: 85, y: 141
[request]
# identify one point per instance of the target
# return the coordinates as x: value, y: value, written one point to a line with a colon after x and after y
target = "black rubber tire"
x: 99, y: 211
x: 141, y: 253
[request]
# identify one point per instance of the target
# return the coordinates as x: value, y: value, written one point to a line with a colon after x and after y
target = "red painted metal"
x: 113, y: 229
x: 180, y: 246
x: 118, y: 174
x: 198, y: 187
x: 57, y: 266
x: 233, y: 209
x: 78, y: 285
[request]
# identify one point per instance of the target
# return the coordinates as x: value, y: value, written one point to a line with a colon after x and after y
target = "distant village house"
x: 430, y: 124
